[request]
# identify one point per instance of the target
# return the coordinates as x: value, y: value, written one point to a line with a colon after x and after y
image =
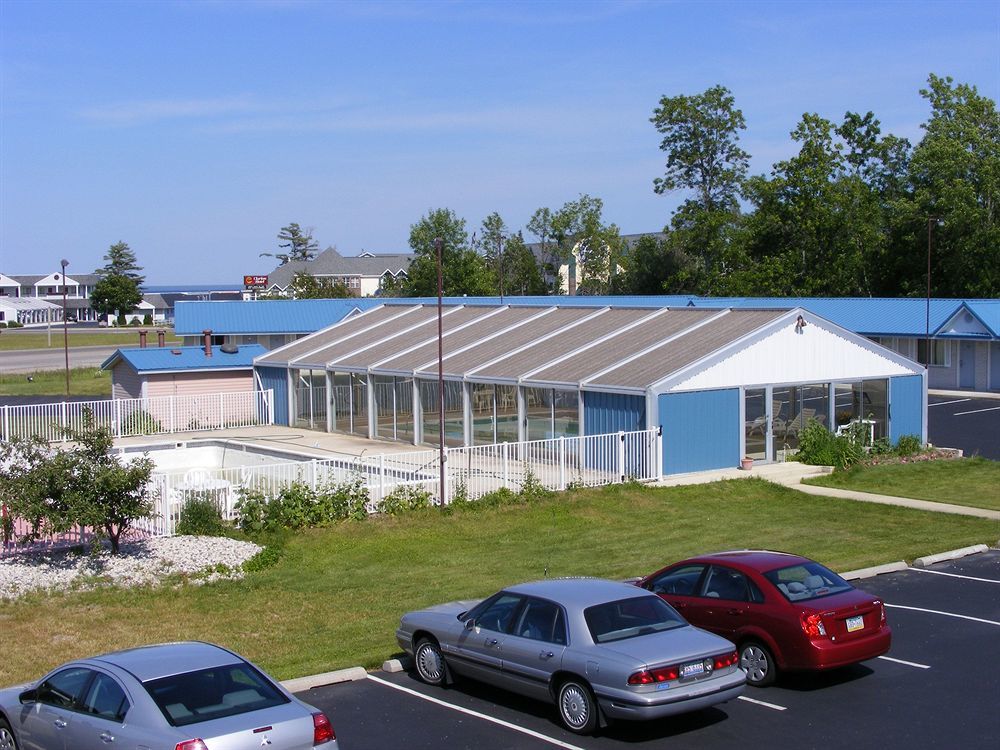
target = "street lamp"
x: 441, y: 491
x: 65, y: 263
x: 932, y: 221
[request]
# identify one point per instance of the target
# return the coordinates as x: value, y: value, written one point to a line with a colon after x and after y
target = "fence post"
x: 658, y: 458
x: 270, y: 406
x: 506, y: 465
x: 447, y: 478
x: 62, y: 417
x: 562, y: 462
x: 173, y: 414
x: 118, y: 417
x: 313, y: 462
x: 6, y: 422
x: 381, y: 476
x: 621, y: 455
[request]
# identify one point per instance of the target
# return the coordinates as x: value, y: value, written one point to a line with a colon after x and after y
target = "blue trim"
x: 906, y: 407
x: 276, y: 379
x: 612, y: 412
x: 701, y: 430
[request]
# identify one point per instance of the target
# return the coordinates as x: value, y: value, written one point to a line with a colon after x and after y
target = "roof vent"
x: 175, y: 351
x: 230, y: 348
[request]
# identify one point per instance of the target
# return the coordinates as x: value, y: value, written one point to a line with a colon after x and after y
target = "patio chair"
x: 195, y: 478
x: 799, y: 421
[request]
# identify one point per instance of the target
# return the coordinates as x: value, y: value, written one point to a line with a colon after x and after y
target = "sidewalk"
x: 963, y: 394
x: 905, y: 502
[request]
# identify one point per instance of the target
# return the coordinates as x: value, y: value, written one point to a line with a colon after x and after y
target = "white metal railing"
x: 140, y: 416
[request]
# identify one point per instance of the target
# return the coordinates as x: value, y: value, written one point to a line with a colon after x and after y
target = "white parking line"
x: 907, y: 663
x: 775, y: 706
x: 946, y: 614
x: 975, y: 411
x: 460, y: 709
x: 944, y: 403
x: 953, y: 575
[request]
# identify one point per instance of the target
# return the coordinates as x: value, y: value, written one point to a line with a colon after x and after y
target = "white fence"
x: 140, y: 416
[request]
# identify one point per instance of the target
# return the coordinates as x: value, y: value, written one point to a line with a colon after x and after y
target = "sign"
x: 255, y: 282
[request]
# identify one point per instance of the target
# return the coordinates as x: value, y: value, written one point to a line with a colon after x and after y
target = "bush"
x: 909, y: 445
x: 820, y: 447
x: 298, y: 506
x: 266, y: 558
x: 201, y: 516
x: 140, y: 422
x: 405, y: 498
x: 135, y: 323
x: 147, y: 319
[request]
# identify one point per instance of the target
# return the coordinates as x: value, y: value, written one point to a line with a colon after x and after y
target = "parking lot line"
x: 954, y: 575
x: 976, y: 411
x: 945, y: 403
x: 775, y: 706
x: 946, y: 614
x: 470, y: 712
x: 907, y: 663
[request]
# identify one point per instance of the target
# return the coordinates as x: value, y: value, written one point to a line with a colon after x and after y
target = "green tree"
x: 121, y: 261
x: 299, y: 245
x: 32, y: 489
x: 115, y: 294
x: 653, y: 266
x: 540, y: 225
x: 463, y: 269
x: 306, y: 286
x: 521, y: 272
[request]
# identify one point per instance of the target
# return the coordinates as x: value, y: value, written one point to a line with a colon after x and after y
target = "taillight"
x: 812, y: 625
x: 726, y: 660
x: 648, y: 677
x: 191, y: 745
x: 322, y: 729
x: 881, y: 607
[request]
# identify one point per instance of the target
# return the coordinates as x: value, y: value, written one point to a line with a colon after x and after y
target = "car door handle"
x: 736, y: 611
x: 107, y: 737
x: 545, y: 654
x: 491, y: 641
x: 678, y: 605
x: 60, y: 723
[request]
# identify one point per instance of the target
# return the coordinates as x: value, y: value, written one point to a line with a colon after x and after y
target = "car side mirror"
x: 470, y: 624
x: 28, y: 696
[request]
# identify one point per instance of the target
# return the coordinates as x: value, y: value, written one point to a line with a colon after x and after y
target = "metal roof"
x: 265, y: 316
x: 185, y: 358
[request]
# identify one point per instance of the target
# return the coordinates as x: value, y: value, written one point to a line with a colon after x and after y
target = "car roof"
x: 580, y: 592
x: 165, y: 659
x: 755, y: 559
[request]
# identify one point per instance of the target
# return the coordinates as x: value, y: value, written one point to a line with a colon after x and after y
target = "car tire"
x: 577, y: 707
x: 7, y: 741
x: 431, y: 667
x: 758, y: 663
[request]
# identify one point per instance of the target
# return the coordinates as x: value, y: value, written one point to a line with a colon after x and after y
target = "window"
x: 682, y: 581
x: 63, y: 688
x: 105, y: 698
x: 939, y: 353
x: 628, y: 618
x: 496, y: 613
x: 807, y: 581
x: 542, y: 621
x: 726, y: 583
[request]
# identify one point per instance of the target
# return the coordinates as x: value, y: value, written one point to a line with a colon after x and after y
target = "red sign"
x: 255, y: 282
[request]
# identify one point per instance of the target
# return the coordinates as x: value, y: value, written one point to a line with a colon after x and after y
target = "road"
x: 972, y: 424
x: 33, y: 360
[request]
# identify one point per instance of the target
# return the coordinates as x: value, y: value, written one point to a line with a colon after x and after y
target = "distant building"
x: 363, y: 275
x: 564, y: 276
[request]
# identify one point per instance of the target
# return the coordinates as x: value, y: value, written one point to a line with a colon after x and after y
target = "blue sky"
x: 195, y: 130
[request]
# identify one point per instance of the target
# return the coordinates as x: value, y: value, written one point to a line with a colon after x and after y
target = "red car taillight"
x: 648, y: 677
x: 726, y: 660
x: 322, y: 729
x: 191, y: 745
x: 881, y: 620
x: 812, y: 625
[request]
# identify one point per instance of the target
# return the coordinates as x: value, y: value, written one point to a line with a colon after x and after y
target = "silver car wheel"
x: 757, y: 663
x: 430, y: 663
x: 576, y: 708
x: 7, y: 738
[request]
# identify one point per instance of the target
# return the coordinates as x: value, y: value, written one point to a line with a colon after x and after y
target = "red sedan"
x: 784, y: 612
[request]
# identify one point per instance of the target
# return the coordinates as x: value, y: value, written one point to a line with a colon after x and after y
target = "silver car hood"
x: 670, y: 647
x: 453, y: 608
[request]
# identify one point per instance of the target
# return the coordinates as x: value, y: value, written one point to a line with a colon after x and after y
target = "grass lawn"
x: 83, y: 381
x: 335, y: 597
x: 10, y: 340
x: 969, y: 481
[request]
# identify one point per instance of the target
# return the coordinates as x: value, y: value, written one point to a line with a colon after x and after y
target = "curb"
x: 923, y: 562
x: 875, y: 570
x: 326, y: 678
x: 397, y: 665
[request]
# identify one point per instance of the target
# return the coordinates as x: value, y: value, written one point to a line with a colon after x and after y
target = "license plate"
x: 855, y: 623
x: 692, y: 669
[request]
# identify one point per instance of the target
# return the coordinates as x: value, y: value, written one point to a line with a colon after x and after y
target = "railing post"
x: 118, y: 417
x: 658, y: 458
x: 6, y: 422
x: 506, y: 465
x: 381, y: 476
x: 173, y: 414
x: 562, y: 462
x: 313, y: 462
x: 447, y: 477
x: 621, y: 455
x: 62, y: 418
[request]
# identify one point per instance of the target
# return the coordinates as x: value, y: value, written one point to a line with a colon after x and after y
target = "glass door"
x: 757, y: 425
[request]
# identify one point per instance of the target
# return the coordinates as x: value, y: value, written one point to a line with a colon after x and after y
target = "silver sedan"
x: 174, y: 696
x: 596, y: 649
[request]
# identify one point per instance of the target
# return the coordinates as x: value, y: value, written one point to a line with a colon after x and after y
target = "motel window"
x: 939, y: 353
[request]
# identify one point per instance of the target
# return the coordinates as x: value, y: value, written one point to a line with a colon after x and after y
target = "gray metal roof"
x: 331, y: 263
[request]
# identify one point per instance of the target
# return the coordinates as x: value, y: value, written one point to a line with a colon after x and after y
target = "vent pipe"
x: 207, y: 333
x: 161, y: 339
x: 142, y: 339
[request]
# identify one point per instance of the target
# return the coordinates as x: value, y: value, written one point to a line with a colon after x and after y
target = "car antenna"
x: 545, y: 574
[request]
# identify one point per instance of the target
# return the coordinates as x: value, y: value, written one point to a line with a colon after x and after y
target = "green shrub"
x: 531, y: 488
x: 405, y: 498
x: 820, y: 447
x: 299, y: 506
x: 147, y: 319
x: 251, y: 511
x: 266, y: 558
x: 909, y: 445
x: 140, y: 422
x: 201, y: 516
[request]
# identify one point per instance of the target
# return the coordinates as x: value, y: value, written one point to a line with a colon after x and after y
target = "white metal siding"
x: 191, y: 383
x: 125, y: 382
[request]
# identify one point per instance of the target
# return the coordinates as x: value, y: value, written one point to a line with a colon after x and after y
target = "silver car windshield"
x: 628, y: 618
x: 208, y: 694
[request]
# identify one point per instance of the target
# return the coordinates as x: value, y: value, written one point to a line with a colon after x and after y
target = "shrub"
x: 299, y: 506
x: 820, y: 447
x: 140, y: 422
x: 909, y: 445
x: 266, y: 558
x: 405, y: 498
x: 201, y: 516
x: 147, y: 319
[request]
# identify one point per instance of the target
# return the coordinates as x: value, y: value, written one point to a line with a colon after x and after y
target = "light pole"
x: 65, y: 263
x: 441, y: 490
x: 931, y: 222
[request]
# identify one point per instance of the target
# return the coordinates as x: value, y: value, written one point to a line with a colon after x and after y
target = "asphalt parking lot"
x: 938, y: 687
x: 972, y: 424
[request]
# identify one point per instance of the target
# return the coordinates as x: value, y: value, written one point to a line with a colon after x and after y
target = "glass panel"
x: 566, y: 414
x: 453, y: 422
x: 538, y: 410
x: 843, y: 404
x: 429, y: 407
x: 506, y: 413
x: 310, y: 398
x: 359, y: 404
x: 385, y: 408
x: 815, y: 403
x: 483, y: 418
x: 874, y: 400
x: 755, y: 426
x: 404, y: 409
x: 341, y: 400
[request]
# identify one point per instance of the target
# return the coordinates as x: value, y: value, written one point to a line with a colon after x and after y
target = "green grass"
x: 18, y: 339
x: 83, y: 381
x: 974, y: 482
x: 335, y: 597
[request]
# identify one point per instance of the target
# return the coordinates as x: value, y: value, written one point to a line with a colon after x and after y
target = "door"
x: 967, y: 364
x: 477, y: 653
x: 48, y: 724
x: 533, y: 651
x: 102, y: 723
x: 678, y: 586
x: 756, y: 424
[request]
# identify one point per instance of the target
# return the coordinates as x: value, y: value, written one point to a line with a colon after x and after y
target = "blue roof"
x: 265, y: 316
x: 161, y: 359
x: 988, y: 312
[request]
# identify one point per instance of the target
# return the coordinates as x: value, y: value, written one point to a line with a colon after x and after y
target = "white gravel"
x: 148, y: 562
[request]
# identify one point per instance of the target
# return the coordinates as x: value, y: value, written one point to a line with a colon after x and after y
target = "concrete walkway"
x: 870, y: 497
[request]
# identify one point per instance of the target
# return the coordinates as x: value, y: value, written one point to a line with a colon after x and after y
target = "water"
x: 192, y: 288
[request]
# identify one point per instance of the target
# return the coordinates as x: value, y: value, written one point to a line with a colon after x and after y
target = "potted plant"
x: 746, y: 463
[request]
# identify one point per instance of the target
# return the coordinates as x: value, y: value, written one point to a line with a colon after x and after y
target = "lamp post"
x: 931, y: 222
x: 65, y: 263
x: 441, y: 490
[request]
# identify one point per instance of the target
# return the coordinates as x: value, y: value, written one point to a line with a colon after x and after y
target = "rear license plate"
x: 693, y: 669
x: 855, y: 623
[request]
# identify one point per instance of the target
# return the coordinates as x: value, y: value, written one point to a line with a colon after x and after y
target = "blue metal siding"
x: 906, y: 406
x: 701, y: 430
x: 276, y: 379
x: 611, y: 412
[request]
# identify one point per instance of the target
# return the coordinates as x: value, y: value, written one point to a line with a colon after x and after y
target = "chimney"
x: 161, y: 338
x: 207, y: 333
x: 142, y: 339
